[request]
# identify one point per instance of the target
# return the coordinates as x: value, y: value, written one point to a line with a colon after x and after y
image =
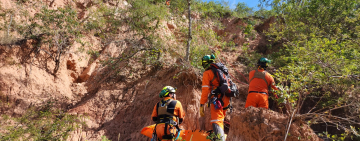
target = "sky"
x: 232, y: 3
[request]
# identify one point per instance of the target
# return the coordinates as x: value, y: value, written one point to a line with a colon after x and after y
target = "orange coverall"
x: 178, y: 112
x: 167, y: 2
x: 257, y: 84
x: 217, y: 116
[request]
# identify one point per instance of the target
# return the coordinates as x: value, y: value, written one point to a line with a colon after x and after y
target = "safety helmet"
x: 207, y: 60
x: 263, y: 62
x: 166, y: 90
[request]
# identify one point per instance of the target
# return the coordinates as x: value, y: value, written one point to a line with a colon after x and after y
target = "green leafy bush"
x: 318, y: 65
x: 53, y: 30
x: 242, y: 10
x: 44, y: 123
x: 214, y: 137
x: 212, y: 9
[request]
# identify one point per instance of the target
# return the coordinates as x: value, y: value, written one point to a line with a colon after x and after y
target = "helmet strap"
x: 172, y: 95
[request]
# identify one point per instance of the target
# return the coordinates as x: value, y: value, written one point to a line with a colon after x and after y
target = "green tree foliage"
x: 140, y: 19
x: 214, y: 137
x: 104, y: 21
x: 242, y: 10
x: 61, y: 26
x: 54, y: 30
x: 44, y: 123
x: 318, y: 66
x: 212, y: 9
x: 144, y: 19
x: 263, y: 13
x: 145, y: 15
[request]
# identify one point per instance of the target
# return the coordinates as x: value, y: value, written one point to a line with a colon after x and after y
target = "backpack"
x: 226, y: 86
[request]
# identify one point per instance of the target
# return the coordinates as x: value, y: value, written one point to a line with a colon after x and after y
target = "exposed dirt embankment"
x: 126, y: 108
x: 253, y: 124
x: 26, y: 80
x: 118, y: 102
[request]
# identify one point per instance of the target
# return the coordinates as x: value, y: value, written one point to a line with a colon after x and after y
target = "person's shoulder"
x: 268, y: 75
x: 208, y: 71
x: 177, y: 102
x: 253, y: 71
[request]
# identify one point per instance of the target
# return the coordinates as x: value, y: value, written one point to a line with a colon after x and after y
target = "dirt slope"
x: 118, y: 103
x: 253, y: 124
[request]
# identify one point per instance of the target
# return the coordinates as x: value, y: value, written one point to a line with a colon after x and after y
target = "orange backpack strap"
x: 215, y: 76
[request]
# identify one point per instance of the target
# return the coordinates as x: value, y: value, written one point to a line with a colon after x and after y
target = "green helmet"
x: 166, y: 90
x: 263, y: 62
x: 207, y: 60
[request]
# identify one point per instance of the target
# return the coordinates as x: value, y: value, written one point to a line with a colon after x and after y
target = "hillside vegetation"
x: 83, y: 69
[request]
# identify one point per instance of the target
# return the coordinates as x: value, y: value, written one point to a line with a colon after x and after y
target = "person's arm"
x: 154, y: 114
x: 205, y: 90
x: 272, y: 82
x: 272, y: 85
x: 181, y: 112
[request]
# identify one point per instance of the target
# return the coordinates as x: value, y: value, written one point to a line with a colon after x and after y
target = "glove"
x: 276, y: 96
x: 216, y: 91
x: 202, y: 110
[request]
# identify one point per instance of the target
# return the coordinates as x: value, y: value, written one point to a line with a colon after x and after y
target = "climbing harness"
x: 165, y: 112
x: 154, y: 136
x: 260, y: 75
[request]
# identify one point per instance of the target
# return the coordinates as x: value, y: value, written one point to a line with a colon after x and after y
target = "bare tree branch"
x: 48, y: 53
x: 311, y: 115
x: 8, y: 30
x: 316, y: 104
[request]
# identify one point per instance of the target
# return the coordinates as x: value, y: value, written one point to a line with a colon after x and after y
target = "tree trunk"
x: 189, y: 36
x: 8, y: 30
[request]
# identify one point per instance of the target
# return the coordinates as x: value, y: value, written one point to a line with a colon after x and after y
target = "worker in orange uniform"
x: 259, y: 86
x: 167, y: 2
x: 167, y: 114
x: 210, y: 83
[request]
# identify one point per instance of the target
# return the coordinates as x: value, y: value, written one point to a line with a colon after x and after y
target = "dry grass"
x: 10, y: 61
x: 7, y: 40
x: 3, y: 98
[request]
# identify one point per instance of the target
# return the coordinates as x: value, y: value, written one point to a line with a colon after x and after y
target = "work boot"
x: 218, y: 131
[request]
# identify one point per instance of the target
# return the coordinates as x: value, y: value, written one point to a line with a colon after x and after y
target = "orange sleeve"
x: 179, y: 108
x: 271, y: 81
x: 154, y: 113
x: 206, y: 88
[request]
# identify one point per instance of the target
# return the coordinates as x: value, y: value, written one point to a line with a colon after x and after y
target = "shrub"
x: 317, y: 69
x: 212, y: 9
x: 44, y: 123
x: 54, y: 30
x: 242, y: 10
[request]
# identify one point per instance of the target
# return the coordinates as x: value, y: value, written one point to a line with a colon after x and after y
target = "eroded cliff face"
x: 117, y: 103
x: 125, y: 108
x: 252, y: 124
